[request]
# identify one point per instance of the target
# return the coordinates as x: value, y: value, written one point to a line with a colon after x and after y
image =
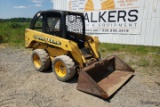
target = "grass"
x: 12, y: 33
x: 128, y: 48
x: 143, y: 62
x: 143, y: 56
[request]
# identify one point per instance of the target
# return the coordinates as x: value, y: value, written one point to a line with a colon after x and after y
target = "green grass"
x: 128, y: 48
x: 143, y: 56
x: 143, y: 62
x: 12, y: 33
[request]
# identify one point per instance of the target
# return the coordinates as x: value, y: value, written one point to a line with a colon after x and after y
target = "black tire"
x: 40, y: 60
x: 63, y: 67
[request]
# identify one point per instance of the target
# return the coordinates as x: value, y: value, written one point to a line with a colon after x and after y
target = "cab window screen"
x: 74, y: 24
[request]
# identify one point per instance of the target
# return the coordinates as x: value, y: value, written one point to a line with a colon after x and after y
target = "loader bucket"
x: 105, y: 77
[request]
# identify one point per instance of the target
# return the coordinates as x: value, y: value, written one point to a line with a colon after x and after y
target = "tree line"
x: 16, y: 20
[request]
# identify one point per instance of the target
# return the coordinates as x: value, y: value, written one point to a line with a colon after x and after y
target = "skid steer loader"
x: 58, y: 40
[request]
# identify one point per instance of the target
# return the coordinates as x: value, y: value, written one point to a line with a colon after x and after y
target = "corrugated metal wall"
x: 150, y: 27
x: 60, y: 4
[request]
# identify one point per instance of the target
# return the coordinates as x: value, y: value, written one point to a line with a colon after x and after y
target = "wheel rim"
x: 60, y: 69
x: 37, y: 61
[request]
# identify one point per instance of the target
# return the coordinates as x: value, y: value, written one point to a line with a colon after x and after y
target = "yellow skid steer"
x: 58, y: 40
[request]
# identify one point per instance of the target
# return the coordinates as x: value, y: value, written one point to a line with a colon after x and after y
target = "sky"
x: 23, y: 8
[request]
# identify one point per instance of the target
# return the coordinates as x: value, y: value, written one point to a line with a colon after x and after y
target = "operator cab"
x: 63, y: 24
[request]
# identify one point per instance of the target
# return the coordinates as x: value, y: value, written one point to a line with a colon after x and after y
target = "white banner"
x: 110, y: 16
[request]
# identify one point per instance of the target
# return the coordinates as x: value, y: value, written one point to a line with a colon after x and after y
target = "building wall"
x: 149, y: 30
x: 60, y: 4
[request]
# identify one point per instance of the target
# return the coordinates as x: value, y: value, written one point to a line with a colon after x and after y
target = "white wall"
x: 60, y: 4
x: 150, y: 27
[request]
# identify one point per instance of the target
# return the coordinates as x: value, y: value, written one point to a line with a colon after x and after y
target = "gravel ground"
x: 22, y: 86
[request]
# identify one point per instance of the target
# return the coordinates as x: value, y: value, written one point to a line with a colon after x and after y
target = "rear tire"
x: 40, y: 60
x: 63, y: 67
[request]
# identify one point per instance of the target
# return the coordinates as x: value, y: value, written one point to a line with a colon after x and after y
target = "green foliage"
x: 1, y: 38
x: 16, y: 20
x: 13, y: 32
x: 15, y: 25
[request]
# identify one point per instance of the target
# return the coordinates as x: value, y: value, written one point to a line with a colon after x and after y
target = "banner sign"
x: 110, y: 16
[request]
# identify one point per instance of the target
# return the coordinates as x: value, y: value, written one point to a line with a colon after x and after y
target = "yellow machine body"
x: 57, y: 46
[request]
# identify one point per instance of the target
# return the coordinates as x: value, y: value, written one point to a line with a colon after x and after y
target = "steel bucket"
x: 105, y: 77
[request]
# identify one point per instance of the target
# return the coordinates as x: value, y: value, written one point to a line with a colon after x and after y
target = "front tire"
x: 63, y: 67
x: 40, y: 60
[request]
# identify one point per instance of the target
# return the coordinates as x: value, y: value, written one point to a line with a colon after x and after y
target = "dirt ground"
x: 22, y: 86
